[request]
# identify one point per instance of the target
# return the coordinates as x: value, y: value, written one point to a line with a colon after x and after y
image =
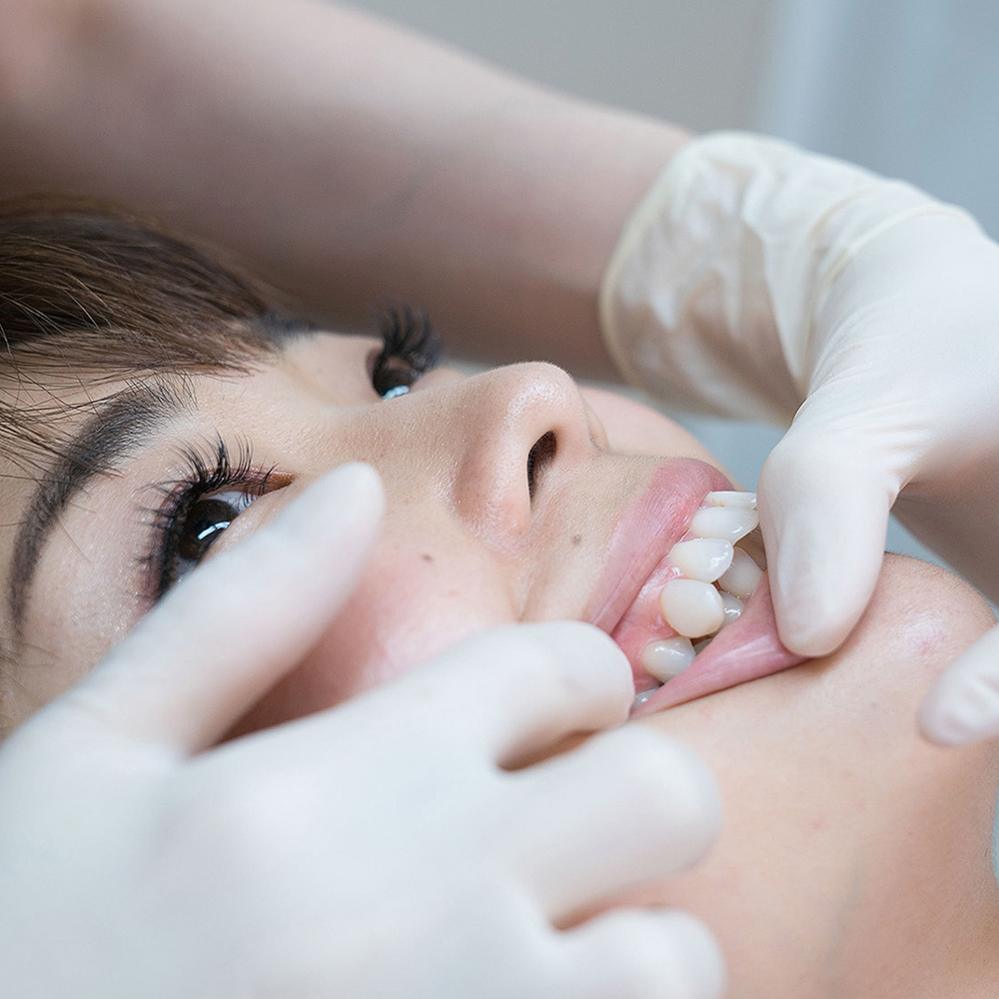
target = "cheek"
x: 410, y: 606
x: 83, y: 603
x: 633, y: 428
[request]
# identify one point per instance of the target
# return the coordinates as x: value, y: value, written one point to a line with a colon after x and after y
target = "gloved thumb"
x: 824, y: 504
x: 963, y: 705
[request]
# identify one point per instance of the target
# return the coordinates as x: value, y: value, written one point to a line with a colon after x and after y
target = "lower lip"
x: 748, y: 649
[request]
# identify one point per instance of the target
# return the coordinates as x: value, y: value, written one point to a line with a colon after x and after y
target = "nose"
x: 519, y: 428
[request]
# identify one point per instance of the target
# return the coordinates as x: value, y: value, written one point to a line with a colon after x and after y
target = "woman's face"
x: 487, y: 523
x: 504, y: 492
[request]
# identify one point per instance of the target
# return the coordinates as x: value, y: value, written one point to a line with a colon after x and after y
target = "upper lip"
x: 647, y: 528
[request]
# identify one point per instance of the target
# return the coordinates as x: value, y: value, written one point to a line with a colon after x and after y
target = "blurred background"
x: 909, y: 88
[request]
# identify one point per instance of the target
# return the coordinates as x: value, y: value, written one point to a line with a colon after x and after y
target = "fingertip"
x: 962, y: 708
x: 348, y: 500
x: 807, y: 625
x: 945, y: 723
x: 704, y: 957
x: 938, y: 725
x: 824, y: 528
x: 587, y: 644
x: 356, y: 483
x: 820, y: 587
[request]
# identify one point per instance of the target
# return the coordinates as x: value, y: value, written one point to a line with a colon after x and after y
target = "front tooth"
x: 731, y: 498
x: 732, y: 607
x: 691, y: 608
x: 702, y: 558
x: 742, y: 576
x: 667, y: 657
x: 729, y: 523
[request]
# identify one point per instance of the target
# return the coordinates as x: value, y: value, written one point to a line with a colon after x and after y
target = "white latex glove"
x: 757, y: 280
x: 378, y: 849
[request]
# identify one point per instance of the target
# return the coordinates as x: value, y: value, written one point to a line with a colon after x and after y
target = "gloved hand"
x: 757, y: 280
x: 376, y: 849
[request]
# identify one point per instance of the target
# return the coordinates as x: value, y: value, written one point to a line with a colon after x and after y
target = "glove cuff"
x: 707, y: 301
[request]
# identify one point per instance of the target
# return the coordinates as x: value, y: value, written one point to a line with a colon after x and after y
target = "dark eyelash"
x: 409, y: 336
x: 179, y: 496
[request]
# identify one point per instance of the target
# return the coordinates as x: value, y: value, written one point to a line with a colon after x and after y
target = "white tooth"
x: 641, y: 698
x: 731, y: 498
x: 726, y: 522
x: 702, y: 558
x: 691, y: 608
x: 742, y: 575
x: 732, y: 607
x: 667, y: 657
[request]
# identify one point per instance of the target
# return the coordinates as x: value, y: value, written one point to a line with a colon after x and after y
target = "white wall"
x: 696, y: 61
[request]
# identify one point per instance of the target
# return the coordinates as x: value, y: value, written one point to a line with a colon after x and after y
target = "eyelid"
x: 203, y: 477
x: 410, y: 344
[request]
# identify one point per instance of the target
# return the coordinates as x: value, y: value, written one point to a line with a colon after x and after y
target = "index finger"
x: 512, y: 692
x: 963, y: 705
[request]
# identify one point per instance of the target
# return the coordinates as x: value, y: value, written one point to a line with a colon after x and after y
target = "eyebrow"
x: 116, y: 429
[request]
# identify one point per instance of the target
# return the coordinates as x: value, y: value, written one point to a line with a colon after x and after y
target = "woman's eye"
x: 205, y: 522
x: 410, y: 348
x: 393, y: 376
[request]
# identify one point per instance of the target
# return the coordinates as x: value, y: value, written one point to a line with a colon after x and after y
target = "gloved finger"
x: 962, y: 707
x: 512, y: 692
x: 824, y: 515
x: 629, y: 806
x: 228, y: 632
x: 644, y: 954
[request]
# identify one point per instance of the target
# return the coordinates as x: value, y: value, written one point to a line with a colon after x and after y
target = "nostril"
x: 538, y: 458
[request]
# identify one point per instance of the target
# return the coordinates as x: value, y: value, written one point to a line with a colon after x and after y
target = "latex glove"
x: 757, y: 280
x: 376, y: 849
x: 963, y: 706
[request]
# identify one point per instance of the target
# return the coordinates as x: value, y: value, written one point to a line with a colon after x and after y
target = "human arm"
x: 345, y: 158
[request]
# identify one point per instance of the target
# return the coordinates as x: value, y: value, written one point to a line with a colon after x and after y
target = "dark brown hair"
x: 90, y: 288
x: 97, y: 296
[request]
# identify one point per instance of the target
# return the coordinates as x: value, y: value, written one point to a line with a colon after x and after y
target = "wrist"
x: 711, y: 293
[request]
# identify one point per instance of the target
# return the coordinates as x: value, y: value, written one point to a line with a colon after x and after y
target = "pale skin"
x: 854, y: 858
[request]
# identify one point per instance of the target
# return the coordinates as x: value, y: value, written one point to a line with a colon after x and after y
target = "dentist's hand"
x: 758, y: 280
x: 903, y: 403
x: 381, y: 848
x: 963, y: 706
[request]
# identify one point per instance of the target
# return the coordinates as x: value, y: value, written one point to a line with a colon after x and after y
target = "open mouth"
x: 689, y: 602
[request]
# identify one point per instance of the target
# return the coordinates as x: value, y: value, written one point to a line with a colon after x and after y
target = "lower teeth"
x: 643, y: 697
x: 667, y: 657
x: 693, y: 607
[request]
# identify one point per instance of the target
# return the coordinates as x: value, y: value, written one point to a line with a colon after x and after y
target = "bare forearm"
x: 346, y: 158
